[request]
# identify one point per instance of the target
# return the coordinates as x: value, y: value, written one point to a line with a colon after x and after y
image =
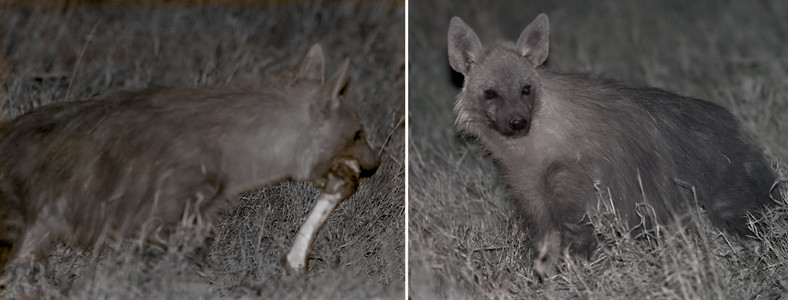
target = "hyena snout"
x: 367, y: 159
x: 360, y: 151
x: 355, y: 162
x: 518, y: 123
x: 514, y: 126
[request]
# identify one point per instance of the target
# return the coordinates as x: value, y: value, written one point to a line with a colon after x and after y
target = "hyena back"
x: 558, y: 138
x: 99, y: 170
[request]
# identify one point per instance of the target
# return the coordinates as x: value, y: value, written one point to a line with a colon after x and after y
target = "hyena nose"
x: 369, y: 166
x: 518, y: 123
x: 366, y: 157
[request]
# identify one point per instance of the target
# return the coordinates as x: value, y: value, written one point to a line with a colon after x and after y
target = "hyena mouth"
x: 513, y: 134
x: 343, y: 176
x: 513, y: 129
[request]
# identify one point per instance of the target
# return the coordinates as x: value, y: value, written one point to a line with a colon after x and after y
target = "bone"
x: 296, y: 260
x: 341, y: 185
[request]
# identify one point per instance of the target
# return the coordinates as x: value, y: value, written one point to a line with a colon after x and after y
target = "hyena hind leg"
x: 743, y: 190
x: 22, y: 258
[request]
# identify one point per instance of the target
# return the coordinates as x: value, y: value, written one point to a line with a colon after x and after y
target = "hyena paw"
x: 549, y: 249
x: 544, y: 266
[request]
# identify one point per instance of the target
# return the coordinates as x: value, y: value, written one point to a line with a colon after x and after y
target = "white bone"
x: 353, y: 164
x: 296, y: 259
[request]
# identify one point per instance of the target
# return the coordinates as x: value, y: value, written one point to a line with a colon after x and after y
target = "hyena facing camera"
x: 138, y: 162
x: 557, y: 137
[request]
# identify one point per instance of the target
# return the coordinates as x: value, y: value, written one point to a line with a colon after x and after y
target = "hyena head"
x: 501, y: 89
x: 337, y: 131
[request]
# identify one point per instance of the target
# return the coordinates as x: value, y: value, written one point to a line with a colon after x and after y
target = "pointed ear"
x: 338, y: 84
x: 533, y: 42
x: 464, y: 46
x: 312, y: 67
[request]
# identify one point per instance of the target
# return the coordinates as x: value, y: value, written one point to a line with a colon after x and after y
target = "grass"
x: 58, y: 55
x: 464, y: 242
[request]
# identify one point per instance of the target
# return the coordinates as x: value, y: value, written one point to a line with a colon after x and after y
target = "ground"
x: 464, y: 242
x: 58, y: 53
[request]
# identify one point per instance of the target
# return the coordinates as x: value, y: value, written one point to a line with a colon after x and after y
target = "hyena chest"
x: 550, y: 177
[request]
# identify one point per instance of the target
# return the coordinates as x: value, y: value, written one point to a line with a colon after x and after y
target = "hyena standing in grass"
x: 138, y: 162
x: 557, y: 137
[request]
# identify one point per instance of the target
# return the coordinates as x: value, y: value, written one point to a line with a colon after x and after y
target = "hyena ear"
x: 312, y: 67
x: 464, y: 46
x: 533, y: 42
x: 338, y: 85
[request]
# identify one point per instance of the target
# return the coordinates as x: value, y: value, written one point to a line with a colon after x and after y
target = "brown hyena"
x: 557, y: 137
x: 134, y: 163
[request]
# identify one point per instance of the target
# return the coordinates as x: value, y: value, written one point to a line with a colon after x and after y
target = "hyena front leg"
x: 342, y: 183
x: 574, y: 238
x: 185, y: 200
x: 548, y: 249
x: 565, y: 197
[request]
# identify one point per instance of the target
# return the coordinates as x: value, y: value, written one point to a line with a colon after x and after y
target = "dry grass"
x: 464, y: 241
x: 81, y: 52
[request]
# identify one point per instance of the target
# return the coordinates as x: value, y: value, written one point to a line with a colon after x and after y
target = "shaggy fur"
x: 95, y: 171
x: 560, y: 138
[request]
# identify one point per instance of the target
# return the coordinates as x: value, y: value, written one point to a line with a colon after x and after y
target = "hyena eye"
x: 357, y: 136
x: 526, y: 90
x: 490, y: 94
